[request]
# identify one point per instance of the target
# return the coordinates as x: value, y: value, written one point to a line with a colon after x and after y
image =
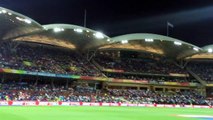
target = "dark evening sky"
x: 192, y: 19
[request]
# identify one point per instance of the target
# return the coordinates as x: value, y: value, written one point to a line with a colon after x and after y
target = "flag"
x: 170, y: 25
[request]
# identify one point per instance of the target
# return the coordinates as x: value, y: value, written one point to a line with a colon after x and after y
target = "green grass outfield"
x: 99, y: 113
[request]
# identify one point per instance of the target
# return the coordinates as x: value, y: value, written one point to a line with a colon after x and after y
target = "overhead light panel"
x: 99, y: 35
x: 18, y: 18
x: 27, y: 21
x: 45, y: 28
x: 24, y: 20
x: 58, y: 30
x: 149, y: 40
x: 210, y: 50
x: 78, y: 30
x: 4, y: 11
x: 177, y: 43
x: 196, y: 49
x: 124, y: 41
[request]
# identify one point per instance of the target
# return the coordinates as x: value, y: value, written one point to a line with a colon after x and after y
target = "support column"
x: 52, y: 84
x: 67, y: 84
x: 36, y: 83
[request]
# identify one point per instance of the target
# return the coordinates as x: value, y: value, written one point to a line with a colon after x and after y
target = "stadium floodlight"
x: 24, y: 20
x: 45, y: 28
x: 4, y: 11
x: 108, y: 40
x: 99, y: 35
x: 58, y: 30
x: 18, y: 18
x: 0, y: 12
x: 78, y: 30
x: 196, y: 49
x: 210, y: 50
x: 149, y: 40
x: 9, y: 13
x: 27, y: 21
x: 124, y: 41
x: 177, y: 43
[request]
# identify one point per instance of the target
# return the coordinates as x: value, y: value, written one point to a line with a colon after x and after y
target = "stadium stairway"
x: 196, y: 77
x: 98, y: 67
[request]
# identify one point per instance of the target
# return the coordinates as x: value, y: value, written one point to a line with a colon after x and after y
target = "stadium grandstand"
x: 70, y: 63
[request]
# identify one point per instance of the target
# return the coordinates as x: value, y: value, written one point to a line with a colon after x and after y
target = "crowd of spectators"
x: 159, y: 97
x: 151, y: 79
x: 203, y: 69
x: 40, y: 58
x: 46, y: 59
x: 61, y: 61
x: 22, y: 91
x: 149, y: 66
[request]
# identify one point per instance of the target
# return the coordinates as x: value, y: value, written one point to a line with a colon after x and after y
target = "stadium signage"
x: 38, y: 103
x: 12, y: 71
x: 179, y: 75
x: 209, y: 85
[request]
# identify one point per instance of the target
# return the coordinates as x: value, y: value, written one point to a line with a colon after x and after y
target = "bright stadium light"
x: 20, y: 19
x: 24, y: 20
x: 58, y: 30
x: 149, y: 40
x: 0, y: 12
x: 9, y: 13
x: 210, y: 50
x: 177, y: 43
x: 124, y: 41
x: 196, y: 49
x: 99, y: 35
x: 27, y: 21
x: 78, y: 30
x: 45, y: 28
x: 108, y: 40
x: 4, y: 11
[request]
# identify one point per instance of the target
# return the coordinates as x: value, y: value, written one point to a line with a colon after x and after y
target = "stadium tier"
x: 49, y: 60
x: 23, y: 91
x: 69, y: 63
x: 203, y: 69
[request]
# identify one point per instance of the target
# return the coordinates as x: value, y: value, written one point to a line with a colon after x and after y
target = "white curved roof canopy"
x: 207, y: 54
x: 69, y: 36
x: 17, y: 27
x: 208, y: 48
x: 14, y: 24
x: 140, y: 36
x: 153, y: 43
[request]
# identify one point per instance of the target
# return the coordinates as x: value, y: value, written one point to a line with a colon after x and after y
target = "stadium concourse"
x: 69, y: 63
